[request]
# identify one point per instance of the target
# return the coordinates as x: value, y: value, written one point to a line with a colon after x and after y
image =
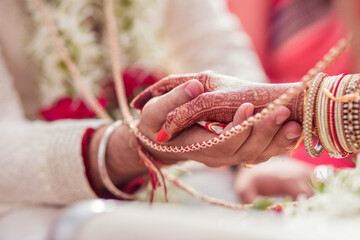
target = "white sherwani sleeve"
x: 40, y: 162
x: 203, y: 35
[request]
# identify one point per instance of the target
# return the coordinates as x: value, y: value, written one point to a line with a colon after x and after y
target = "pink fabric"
x: 289, y: 61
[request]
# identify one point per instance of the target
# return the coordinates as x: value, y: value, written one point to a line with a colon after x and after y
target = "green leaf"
x: 261, y: 203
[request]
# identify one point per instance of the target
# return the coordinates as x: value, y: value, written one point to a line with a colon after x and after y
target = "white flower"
x: 340, y: 197
x: 81, y: 26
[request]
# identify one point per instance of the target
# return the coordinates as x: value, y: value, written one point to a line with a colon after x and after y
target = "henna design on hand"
x: 223, y: 96
x: 221, y: 106
x: 209, y: 80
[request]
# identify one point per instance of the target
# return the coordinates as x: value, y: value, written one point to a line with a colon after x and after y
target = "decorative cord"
x: 114, y: 52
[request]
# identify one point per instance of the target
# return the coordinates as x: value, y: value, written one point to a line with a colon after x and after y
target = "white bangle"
x: 104, y: 176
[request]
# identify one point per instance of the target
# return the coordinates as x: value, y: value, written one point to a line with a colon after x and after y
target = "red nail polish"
x: 162, y: 136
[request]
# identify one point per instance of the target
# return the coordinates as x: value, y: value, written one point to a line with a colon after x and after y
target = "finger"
x: 161, y: 87
x: 211, y: 106
x: 229, y: 147
x: 167, y: 84
x: 305, y: 189
x: 282, y: 142
x: 262, y: 134
x: 249, y: 194
x: 162, y: 105
x: 295, y: 188
x: 221, y: 154
x: 268, y: 185
x: 224, y: 153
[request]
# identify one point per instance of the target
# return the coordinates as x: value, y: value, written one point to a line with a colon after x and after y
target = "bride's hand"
x: 273, y: 178
x: 266, y: 139
x: 211, y: 81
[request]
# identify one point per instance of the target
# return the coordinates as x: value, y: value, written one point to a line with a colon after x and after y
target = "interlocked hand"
x: 265, y: 139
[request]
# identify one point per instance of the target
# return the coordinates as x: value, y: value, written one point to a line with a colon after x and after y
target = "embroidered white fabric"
x: 41, y: 162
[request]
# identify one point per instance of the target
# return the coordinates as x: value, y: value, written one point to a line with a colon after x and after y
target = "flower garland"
x: 81, y: 25
x: 337, y: 194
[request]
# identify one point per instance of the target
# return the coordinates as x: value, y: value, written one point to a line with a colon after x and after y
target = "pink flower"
x: 136, y: 78
x: 68, y: 108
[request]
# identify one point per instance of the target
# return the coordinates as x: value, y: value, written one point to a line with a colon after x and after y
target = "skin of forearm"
x: 122, y: 159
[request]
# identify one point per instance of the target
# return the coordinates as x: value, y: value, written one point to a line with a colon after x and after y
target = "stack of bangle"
x: 335, y: 114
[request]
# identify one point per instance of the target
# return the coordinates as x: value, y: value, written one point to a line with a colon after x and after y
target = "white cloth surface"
x: 161, y: 221
x: 28, y: 223
x: 39, y: 222
x: 123, y: 220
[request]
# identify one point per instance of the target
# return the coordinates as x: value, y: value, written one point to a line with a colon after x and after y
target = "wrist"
x: 121, y: 158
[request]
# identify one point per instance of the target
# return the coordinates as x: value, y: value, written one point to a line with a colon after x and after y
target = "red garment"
x: 290, y: 37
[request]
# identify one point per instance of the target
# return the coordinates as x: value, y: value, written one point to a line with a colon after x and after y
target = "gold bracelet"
x: 323, y: 115
x: 308, y: 118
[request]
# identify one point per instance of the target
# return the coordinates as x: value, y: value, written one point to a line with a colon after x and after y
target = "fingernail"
x: 249, y: 165
x: 281, y: 119
x: 162, y: 136
x: 292, y: 136
x: 193, y: 89
x: 141, y: 99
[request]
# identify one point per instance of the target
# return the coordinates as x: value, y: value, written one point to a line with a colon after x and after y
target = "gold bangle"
x: 308, y: 118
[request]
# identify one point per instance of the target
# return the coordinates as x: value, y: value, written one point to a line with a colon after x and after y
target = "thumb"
x: 159, y: 107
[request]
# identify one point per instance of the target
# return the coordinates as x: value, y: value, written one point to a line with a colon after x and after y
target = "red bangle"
x: 85, y: 145
x: 332, y: 127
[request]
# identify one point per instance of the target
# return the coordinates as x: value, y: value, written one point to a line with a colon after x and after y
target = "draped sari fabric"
x: 290, y: 36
